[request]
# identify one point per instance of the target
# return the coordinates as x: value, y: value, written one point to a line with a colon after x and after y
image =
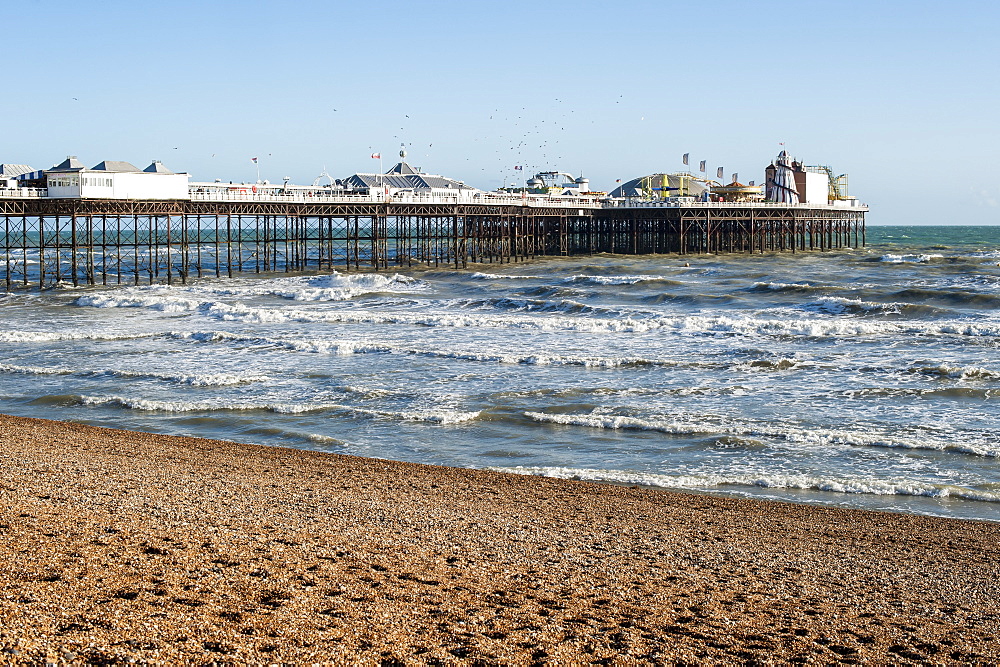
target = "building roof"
x: 156, y: 167
x: 115, y: 165
x: 403, y: 169
x: 635, y: 188
x: 404, y: 177
x: 12, y: 170
x: 69, y: 164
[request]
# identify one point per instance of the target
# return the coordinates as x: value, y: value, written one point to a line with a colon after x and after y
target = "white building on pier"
x: 113, y: 179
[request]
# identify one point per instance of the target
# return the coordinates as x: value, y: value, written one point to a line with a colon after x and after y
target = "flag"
x: 685, y: 158
x: 517, y: 167
x: 736, y: 177
x: 376, y: 156
x: 701, y: 165
x: 718, y: 172
x: 751, y: 183
x: 254, y: 160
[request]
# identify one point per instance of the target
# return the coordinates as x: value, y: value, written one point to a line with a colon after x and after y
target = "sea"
x: 863, y: 378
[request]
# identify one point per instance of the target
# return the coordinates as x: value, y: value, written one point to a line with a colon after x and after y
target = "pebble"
x: 141, y: 548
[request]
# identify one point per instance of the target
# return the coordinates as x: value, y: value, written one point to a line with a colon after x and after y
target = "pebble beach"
x: 123, y: 546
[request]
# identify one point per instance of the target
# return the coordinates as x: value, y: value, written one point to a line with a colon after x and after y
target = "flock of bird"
x: 530, y: 141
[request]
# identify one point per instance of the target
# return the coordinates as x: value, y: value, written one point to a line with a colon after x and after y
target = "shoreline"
x: 162, y: 548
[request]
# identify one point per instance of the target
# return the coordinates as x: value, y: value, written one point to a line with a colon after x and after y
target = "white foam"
x: 776, y: 364
x: 349, y: 347
x: 333, y: 287
x: 193, y: 379
x: 616, y: 280
x: 912, y: 258
x: 788, y: 432
x: 499, y: 276
x: 56, y: 336
x: 781, y: 286
x: 33, y: 370
x: 835, y: 305
x: 769, y: 481
x: 957, y: 372
x: 165, y: 304
x: 441, y: 416
x: 685, y: 324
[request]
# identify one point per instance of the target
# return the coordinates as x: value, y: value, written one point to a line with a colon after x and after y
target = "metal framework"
x: 91, y: 242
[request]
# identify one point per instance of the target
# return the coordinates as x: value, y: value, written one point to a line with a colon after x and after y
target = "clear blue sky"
x: 903, y: 96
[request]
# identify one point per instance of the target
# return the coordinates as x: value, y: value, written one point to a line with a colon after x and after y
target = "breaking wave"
x: 767, y: 481
x: 915, y: 258
x: 626, y: 323
x: 820, y: 437
x: 148, y: 405
x: 192, y: 379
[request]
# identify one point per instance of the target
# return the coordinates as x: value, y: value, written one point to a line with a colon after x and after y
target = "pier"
x: 227, y: 231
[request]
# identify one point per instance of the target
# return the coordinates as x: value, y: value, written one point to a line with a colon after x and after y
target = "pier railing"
x: 250, y: 193
x: 23, y: 193
x: 642, y: 203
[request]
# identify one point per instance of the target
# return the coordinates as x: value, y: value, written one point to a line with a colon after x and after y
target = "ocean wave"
x: 789, y: 287
x: 872, y: 486
x: 949, y: 392
x: 955, y: 372
x: 622, y: 280
x: 775, y: 364
x: 349, y: 347
x: 502, y: 276
x: 333, y: 287
x: 923, y: 258
x: 835, y: 305
x: 164, y: 304
x: 339, y: 287
x: 440, y: 416
x: 193, y: 379
x: 789, y: 433
x: 626, y: 323
x: 956, y: 297
x: 57, y: 336
x: 566, y: 306
x: 34, y: 370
